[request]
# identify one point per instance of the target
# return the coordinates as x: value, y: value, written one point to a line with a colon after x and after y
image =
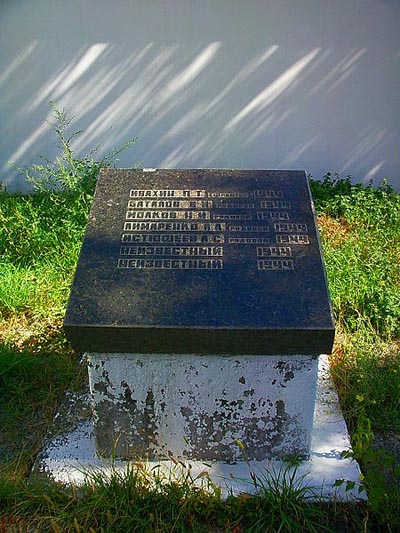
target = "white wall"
x: 310, y: 84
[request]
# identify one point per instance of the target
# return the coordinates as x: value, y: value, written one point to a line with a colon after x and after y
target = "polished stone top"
x: 201, y: 261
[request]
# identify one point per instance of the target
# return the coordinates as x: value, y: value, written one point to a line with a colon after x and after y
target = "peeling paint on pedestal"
x: 202, y: 407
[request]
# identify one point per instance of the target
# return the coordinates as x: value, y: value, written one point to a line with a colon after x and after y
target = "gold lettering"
x: 274, y: 251
x: 232, y: 217
x: 271, y: 215
x: 275, y: 204
x: 249, y: 229
x: 170, y: 264
x: 167, y: 193
x: 290, y: 227
x: 275, y: 264
x: 174, y: 226
x: 268, y: 194
x: 292, y: 239
x: 248, y: 240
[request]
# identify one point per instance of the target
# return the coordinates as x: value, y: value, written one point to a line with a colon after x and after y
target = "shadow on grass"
x: 35, y: 372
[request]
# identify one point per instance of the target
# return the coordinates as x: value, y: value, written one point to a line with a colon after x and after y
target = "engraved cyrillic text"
x: 173, y: 226
x: 274, y: 251
x: 167, y: 215
x: 181, y: 238
x: 273, y: 215
x: 197, y: 229
x: 172, y: 264
x: 167, y: 193
x: 172, y: 250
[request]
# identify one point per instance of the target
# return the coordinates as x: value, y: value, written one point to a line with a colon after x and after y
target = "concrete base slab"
x: 70, y: 456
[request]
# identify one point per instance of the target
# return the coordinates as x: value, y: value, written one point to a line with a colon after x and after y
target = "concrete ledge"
x: 70, y: 457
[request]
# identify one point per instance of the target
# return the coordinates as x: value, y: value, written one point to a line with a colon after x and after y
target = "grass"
x: 40, y: 239
x: 144, y: 501
x: 360, y: 230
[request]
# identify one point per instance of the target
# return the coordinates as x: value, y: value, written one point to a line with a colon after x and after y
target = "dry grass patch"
x: 336, y: 230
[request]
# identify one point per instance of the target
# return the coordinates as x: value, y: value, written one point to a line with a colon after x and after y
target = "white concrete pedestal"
x: 203, y: 408
x: 70, y: 455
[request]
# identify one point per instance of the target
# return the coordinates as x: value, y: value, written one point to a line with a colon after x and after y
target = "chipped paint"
x: 200, y: 407
x: 69, y: 455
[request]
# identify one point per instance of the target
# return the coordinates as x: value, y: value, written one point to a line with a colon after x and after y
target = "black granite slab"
x: 201, y: 261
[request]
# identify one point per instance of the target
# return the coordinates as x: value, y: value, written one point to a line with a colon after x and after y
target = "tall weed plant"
x: 42, y: 233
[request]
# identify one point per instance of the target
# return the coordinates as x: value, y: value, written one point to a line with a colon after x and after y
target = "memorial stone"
x: 201, y: 299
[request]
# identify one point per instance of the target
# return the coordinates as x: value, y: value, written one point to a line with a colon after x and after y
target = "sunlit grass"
x: 360, y: 229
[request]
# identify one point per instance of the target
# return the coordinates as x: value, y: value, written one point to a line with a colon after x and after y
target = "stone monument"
x: 201, y: 301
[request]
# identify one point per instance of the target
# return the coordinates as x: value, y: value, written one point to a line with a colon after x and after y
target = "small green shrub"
x: 68, y: 173
x: 42, y: 233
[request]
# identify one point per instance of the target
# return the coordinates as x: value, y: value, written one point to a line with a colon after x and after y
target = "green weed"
x: 42, y: 233
x: 360, y: 229
x: 68, y: 173
x: 145, y: 500
x: 366, y: 371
